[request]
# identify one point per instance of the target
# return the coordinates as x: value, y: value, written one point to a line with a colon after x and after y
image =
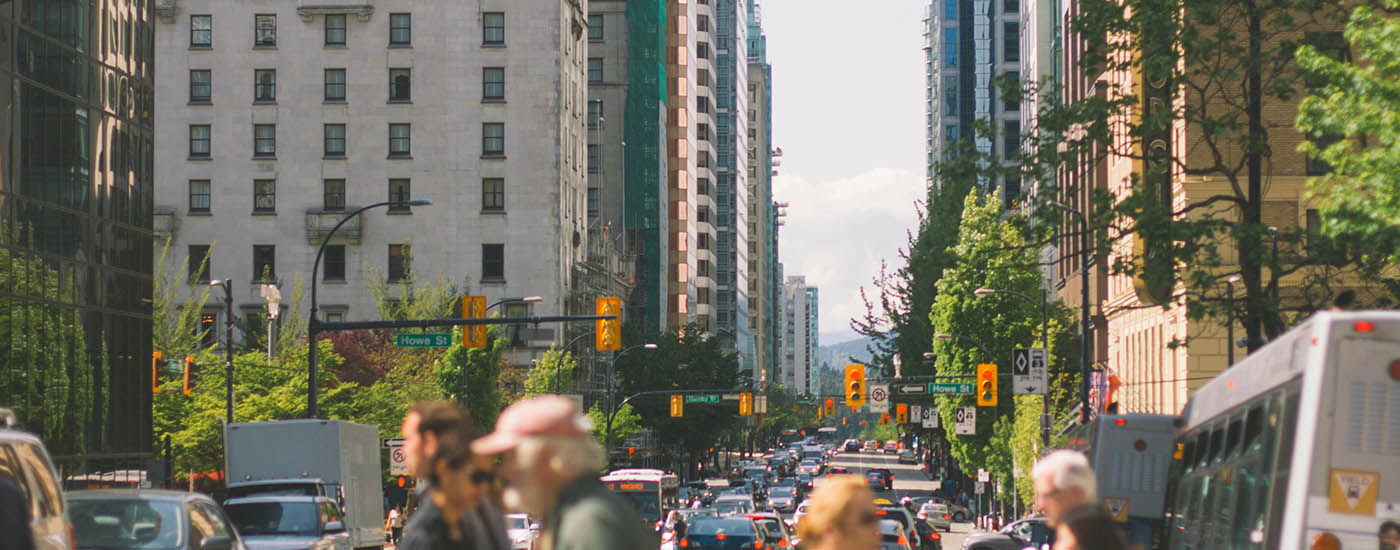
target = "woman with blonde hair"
x: 841, y: 516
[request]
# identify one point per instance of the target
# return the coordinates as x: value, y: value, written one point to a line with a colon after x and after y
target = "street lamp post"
x: 1044, y: 343
x: 559, y: 362
x: 1230, y: 320
x: 1085, y: 327
x: 314, y: 323
x: 227, y: 284
x: 607, y: 431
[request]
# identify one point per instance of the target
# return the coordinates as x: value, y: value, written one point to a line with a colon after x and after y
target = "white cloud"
x: 838, y: 230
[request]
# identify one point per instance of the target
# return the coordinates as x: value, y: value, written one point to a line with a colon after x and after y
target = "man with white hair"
x: 1063, y: 481
x: 552, y: 466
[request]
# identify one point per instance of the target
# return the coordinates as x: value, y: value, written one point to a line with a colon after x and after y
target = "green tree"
x: 175, y: 328
x: 626, y: 423
x: 1358, y: 111
x: 553, y: 373
x: 683, y: 360
x: 470, y: 376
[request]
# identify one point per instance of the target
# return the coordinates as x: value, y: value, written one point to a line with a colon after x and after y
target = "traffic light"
x: 607, y: 333
x: 677, y: 406
x: 745, y: 404
x: 401, y: 481
x: 987, y: 385
x: 474, y: 307
x: 901, y: 413
x: 155, y: 360
x: 189, y: 366
x: 884, y: 419
x: 855, y: 385
x: 830, y: 407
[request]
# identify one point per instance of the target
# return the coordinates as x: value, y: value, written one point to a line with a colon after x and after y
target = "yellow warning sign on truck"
x: 1353, y: 492
x: 1117, y: 508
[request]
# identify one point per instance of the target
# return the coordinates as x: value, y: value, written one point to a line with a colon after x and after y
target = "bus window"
x: 1253, y: 428
x: 1232, y: 438
x: 1246, y: 490
x: 1282, y: 421
x: 1217, y: 443
x: 1188, y: 455
x: 1222, y: 507
x: 1203, y: 448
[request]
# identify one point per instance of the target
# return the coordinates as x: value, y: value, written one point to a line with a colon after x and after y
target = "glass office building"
x: 76, y: 184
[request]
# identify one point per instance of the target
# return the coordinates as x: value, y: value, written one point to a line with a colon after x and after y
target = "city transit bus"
x: 1298, y: 445
x: 653, y: 492
x: 826, y: 435
x: 1131, y: 455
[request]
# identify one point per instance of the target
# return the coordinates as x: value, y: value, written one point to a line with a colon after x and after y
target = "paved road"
x: 909, y: 480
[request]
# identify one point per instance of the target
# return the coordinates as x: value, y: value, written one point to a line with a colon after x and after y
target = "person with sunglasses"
x: 841, y: 516
x: 456, y: 511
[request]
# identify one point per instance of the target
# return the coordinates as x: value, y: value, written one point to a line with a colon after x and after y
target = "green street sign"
x: 424, y: 340
x: 710, y: 399
x: 950, y: 388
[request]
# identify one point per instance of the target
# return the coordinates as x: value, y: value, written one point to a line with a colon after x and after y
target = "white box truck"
x: 319, y: 458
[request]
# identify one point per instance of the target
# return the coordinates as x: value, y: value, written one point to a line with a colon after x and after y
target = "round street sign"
x: 878, y: 394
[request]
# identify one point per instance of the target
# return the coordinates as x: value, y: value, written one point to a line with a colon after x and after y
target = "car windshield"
x: 770, y: 526
x: 274, y: 518
x: 727, y: 527
x: 730, y: 507
x: 119, y: 524
x: 780, y: 492
x: 516, y: 522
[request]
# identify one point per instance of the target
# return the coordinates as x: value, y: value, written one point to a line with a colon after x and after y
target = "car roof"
x: 256, y: 499
x: 134, y: 494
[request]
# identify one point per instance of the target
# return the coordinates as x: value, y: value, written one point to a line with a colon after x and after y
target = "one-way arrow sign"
x: 912, y: 389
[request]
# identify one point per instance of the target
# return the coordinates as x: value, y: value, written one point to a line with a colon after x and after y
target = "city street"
x: 909, y: 480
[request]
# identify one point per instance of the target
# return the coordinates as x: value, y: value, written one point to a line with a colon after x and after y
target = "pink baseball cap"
x: 545, y: 415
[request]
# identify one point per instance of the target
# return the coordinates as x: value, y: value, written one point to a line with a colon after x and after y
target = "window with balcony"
x: 333, y: 195
x: 335, y: 29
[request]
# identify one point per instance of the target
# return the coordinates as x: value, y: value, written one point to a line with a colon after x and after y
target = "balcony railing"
x: 319, y: 222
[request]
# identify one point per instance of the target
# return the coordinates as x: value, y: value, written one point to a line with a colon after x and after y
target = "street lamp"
x: 522, y: 299
x: 313, y: 325
x: 1044, y: 343
x: 559, y: 362
x: 1230, y: 320
x: 607, y: 432
x: 273, y: 296
x: 227, y: 284
x: 1085, y: 327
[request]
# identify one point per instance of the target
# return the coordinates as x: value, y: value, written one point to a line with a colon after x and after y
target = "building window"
x: 595, y: 27
x: 493, y: 194
x: 265, y: 85
x: 595, y: 70
x: 264, y: 140
x: 595, y: 160
x: 1010, y: 41
x: 398, y: 262
x: 333, y: 195
x: 265, y: 30
x: 1011, y: 138
x: 201, y: 81
x: 493, y: 28
x: 199, y: 195
x: 1010, y: 6
x: 950, y: 47
x: 493, y: 139
x: 400, y: 84
x: 950, y: 132
x: 595, y: 113
x: 335, y: 140
x: 594, y: 199
x: 702, y: 241
x: 201, y: 31
x: 264, y: 262
x: 335, y: 85
x: 400, y: 29
x: 950, y: 95
x: 1013, y: 103
x: 199, y: 141
x: 702, y: 50
x: 264, y: 195
x: 399, y: 194
x: 199, y: 263
x: 493, y: 262
x: 702, y: 23
x: 493, y: 83
x: 400, y: 140
x: 334, y: 263
x: 335, y: 29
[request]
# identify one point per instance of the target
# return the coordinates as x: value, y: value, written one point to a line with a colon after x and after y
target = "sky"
x: 848, y: 112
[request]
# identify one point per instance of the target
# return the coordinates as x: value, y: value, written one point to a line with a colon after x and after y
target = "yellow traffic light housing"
x: 189, y: 364
x: 155, y: 360
x: 474, y: 307
x: 987, y: 385
x: 677, y: 406
x: 855, y: 385
x: 607, y: 333
x: 901, y: 413
x: 745, y: 404
x: 829, y: 407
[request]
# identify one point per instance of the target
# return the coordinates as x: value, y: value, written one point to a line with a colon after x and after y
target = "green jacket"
x: 590, y: 517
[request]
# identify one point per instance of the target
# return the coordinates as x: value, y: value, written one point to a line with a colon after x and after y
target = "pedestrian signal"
x: 607, y: 333
x: 677, y: 406
x: 745, y: 404
x: 855, y: 385
x: 189, y: 365
x: 474, y: 307
x: 155, y: 360
x: 987, y: 385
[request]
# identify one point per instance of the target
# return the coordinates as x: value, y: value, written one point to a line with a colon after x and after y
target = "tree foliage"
x: 683, y: 360
x: 471, y: 377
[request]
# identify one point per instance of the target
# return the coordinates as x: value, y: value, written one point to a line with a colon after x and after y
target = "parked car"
x: 777, y: 535
x: 524, y: 534
x: 724, y: 533
x: 893, y: 536
x: 283, y: 522
x: 907, y: 457
x: 1031, y: 531
x: 132, y: 518
x: 25, y: 463
x: 937, y: 515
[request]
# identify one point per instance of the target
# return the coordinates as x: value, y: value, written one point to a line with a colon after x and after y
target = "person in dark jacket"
x: 454, y: 483
x: 14, y: 516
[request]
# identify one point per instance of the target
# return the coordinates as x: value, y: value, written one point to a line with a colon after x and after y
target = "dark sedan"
x: 729, y: 533
x: 141, y: 519
x: 880, y: 478
x: 1027, y: 532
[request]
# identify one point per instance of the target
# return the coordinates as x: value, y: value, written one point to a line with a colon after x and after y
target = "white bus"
x: 1131, y: 455
x: 1298, y: 445
x: 653, y: 492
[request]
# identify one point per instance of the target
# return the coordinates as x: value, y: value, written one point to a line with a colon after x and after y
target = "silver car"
x: 524, y: 534
x: 25, y: 464
x: 937, y: 515
x: 289, y: 522
x: 146, y: 518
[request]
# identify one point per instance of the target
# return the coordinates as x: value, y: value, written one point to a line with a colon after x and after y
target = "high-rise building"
x: 689, y: 164
x: 762, y: 232
x: 732, y: 255
x: 968, y: 46
x: 295, y: 114
x: 800, y: 337
x: 75, y: 247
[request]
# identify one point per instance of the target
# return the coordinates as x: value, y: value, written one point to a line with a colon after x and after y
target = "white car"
x: 936, y: 514
x: 799, y: 513
x: 524, y: 534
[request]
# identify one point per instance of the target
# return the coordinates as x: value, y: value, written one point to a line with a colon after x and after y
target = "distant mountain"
x: 837, y: 355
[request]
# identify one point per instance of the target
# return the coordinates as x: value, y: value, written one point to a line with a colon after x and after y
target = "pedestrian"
x: 551, y: 467
x: 1088, y: 528
x: 425, y: 427
x: 14, y: 514
x: 1063, y: 481
x: 1390, y: 536
x: 841, y: 516
x: 459, y: 485
x: 394, y: 525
